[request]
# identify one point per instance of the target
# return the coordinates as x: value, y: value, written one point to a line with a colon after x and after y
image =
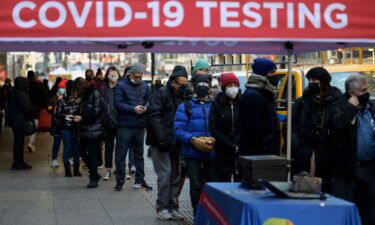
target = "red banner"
x: 256, y: 20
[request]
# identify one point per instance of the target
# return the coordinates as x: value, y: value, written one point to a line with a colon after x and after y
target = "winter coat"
x: 345, y: 151
x: 259, y: 125
x: 66, y: 106
x: 127, y: 96
x: 312, y: 128
x: 185, y: 130
x: 91, y: 112
x: 163, y: 104
x: 19, y: 108
x: 109, y: 106
x: 224, y: 118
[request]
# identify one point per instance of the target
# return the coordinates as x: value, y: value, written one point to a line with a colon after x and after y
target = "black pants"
x: 91, y: 146
x: 199, y: 172
x: 225, y: 171
x: 359, y: 189
x: 18, y: 143
x: 110, y: 136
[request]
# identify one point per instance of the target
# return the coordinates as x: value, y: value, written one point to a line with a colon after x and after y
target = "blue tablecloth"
x: 228, y: 203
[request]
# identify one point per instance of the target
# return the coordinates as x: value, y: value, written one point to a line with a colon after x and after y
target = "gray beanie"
x: 137, y: 68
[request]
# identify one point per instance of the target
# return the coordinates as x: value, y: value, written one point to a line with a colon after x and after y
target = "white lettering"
x: 304, y: 12
x: 249, y: 13
x: 16, y: 14
x: 342, y: 17
x: 79, y: 20
x: 273, y: 7
x: 99, y: 14
x: 225, y: 14
x: 206, y: 5
x: 49, y: 23
x: 290, y: 12
x: 112, y: 21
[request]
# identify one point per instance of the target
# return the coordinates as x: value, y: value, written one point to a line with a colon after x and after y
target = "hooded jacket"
x: 19, y: 107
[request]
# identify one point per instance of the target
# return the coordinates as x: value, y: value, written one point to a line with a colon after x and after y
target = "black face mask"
x: 181, y: 91
x: 274, y: 80
x: 202, y: 91
x: 363, y: 99
x: 314, y: 88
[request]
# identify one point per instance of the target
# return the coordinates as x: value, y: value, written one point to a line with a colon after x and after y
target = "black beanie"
x: 203, y: 78
x: 178, y: 71
x: 320, y: 74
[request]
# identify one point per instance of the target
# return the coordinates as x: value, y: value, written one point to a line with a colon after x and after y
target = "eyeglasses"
x: 181, y: 85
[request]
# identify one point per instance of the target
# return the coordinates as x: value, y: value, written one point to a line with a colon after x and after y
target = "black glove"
x: 163, y: 147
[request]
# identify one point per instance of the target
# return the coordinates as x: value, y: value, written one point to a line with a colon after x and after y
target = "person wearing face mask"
x: 55, y: 126
x: 130, y: 99
x: 110, y: 127
x: 259, y: 127
x: 354, y: 154
x: 311, y: 132
x: 161, y: 136
x: 192, y: 131
x: 224, y: 115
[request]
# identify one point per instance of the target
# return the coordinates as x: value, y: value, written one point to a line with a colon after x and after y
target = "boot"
x: 68, y: 173
x: 76, y: 170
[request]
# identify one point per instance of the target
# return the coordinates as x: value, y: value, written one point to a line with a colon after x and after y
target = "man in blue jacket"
x: 130, y: 98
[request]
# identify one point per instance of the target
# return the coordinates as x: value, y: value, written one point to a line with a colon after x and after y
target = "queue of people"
x: 198, y: 130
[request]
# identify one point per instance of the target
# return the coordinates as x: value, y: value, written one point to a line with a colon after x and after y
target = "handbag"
x: 29, y: 127
x: 44, y: 123
x: 304, y: 182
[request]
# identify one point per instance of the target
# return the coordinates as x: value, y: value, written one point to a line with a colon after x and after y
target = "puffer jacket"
x: 109, y: 106
x: 67, y: 106
x: 127, y: 96
x: 91, y: 111
x: 161, y: 113
x: 224, y: 118
x: 185, y: 130
x: 18, y: 108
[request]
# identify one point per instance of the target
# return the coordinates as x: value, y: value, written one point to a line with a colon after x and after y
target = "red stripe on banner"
x: 213, y: 209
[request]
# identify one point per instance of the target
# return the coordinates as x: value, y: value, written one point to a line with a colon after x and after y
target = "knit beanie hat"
x: 137, y: 68
x: 201, y: 63
x: 263, y: 66
x: 203, y: 78
x: 320, y: 74
x: 178, y: 71
x: 228, y: 78
x: 62, y: 84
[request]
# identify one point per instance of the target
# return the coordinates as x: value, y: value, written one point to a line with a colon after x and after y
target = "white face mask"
x: 232, y: 92
x: 113, y: 78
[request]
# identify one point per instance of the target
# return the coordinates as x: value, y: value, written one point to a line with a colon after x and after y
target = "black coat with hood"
x: 223, y: 124
x: 313, y: 126
x: 19, y: 108
x: 162, y: 107
x: 66, y: 106
x: 91, y: 112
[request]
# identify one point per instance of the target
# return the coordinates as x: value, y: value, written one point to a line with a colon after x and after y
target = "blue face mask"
x: 61, y: 91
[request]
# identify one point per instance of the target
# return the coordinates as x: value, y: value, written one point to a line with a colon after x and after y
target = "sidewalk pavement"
x: 43, y: 196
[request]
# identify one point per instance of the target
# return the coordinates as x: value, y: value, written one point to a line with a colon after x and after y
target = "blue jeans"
x: 70, y: 145
x: 56, y: 146
x: 125, y: 138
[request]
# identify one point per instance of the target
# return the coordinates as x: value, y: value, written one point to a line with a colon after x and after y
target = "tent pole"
x: 152, y: 70
x: 290, y: 94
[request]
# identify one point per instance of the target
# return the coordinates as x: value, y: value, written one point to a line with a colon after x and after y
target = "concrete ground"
x: 43, y: 196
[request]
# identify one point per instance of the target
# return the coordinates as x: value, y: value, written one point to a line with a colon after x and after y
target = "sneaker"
x: 142, y: 185
x: 71, y: 162
x: 128, y: 177
x: 107, y: 175
x: 119, y: 187
x: 54, y: 163
x: 92, y: 184
x: 164, y: 215
x: 176, y: 215
x: 31, y: 148
x: 132, y: 169
x: 101, y: 166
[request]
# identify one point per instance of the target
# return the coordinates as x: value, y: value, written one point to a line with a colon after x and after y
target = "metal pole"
x: 289, y: 123
x: 152, y: 70
x: 247, y: 66
x: 89, y: 60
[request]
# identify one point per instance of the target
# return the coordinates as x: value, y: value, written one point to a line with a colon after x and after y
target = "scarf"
x: 260, y: 82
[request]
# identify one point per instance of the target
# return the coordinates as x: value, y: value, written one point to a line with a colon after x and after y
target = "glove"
x: 163, y: 147
x: 201, y: 144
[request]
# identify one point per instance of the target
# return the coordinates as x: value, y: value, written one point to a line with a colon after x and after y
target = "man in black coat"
x: 160, y: 134
x: 19, y: 110
x: 259, y: 125
x: 354, y: 158
x: 312, y: 133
